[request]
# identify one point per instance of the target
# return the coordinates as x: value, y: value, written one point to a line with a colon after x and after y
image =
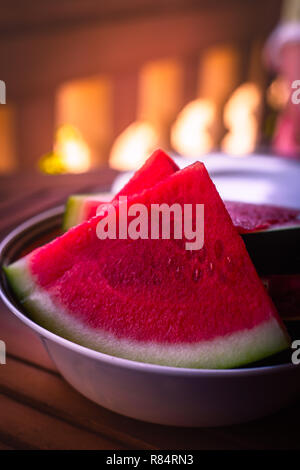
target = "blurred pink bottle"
x: 282, y: 53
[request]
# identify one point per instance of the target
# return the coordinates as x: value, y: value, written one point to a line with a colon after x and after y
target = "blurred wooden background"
x: 45, y: 45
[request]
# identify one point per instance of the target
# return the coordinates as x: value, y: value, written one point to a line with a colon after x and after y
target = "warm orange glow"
x: 278, y: 94
x: 190, y: 134
x: 71, y: 154
x: 133, y: 146
x: 218, y: 72
x: 74, y: 151
x: 86, y: 104
x: 8, y: 161
x: 160, y: 79
x: 241, y: 119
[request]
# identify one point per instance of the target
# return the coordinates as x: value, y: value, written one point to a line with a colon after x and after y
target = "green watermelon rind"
x: 73, y: 211
x: 233, y: 350
x: 74, y: 208
x: 75, y: 204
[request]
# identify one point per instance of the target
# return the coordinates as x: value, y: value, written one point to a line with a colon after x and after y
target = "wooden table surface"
x: 39, y: 410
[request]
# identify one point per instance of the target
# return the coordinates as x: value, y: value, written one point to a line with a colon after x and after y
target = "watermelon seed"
x: 229, y: 263
x: 196, y: 274
x: 179, y: 272
x: 211, y: 267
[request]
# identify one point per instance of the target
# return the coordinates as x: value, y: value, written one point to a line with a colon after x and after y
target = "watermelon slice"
x: 82, y: 207
x: 271, y: 235
x: 246, y: 217
x: 151, y: 300
x: 249, y: 218
x: 266, y: 230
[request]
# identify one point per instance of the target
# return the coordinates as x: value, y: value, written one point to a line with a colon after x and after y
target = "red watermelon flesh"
x: 157, y: 167
x: 249, y: 217
x: 152, y: 300
x: 246, y: 217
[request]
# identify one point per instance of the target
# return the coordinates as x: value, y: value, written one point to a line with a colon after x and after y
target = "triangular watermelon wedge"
x: 250, y: 218
x: 265, y: 229
x: 152, y: 300
x: 82, y: 207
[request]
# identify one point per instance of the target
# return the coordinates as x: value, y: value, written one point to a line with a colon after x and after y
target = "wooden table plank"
x: 5, y: 447
x: 48, y: 392
x: 35, y: 203
x: 24, y: 195
x: 42, y: 431
x: 277, y: 431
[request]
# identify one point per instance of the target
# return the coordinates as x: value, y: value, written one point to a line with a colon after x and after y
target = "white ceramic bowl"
x: 159, y: 394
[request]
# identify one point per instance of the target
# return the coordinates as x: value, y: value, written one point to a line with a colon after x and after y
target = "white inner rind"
x: 227, y: 351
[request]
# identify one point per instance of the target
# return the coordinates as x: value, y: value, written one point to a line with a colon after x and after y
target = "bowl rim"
x: 57, y: 211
